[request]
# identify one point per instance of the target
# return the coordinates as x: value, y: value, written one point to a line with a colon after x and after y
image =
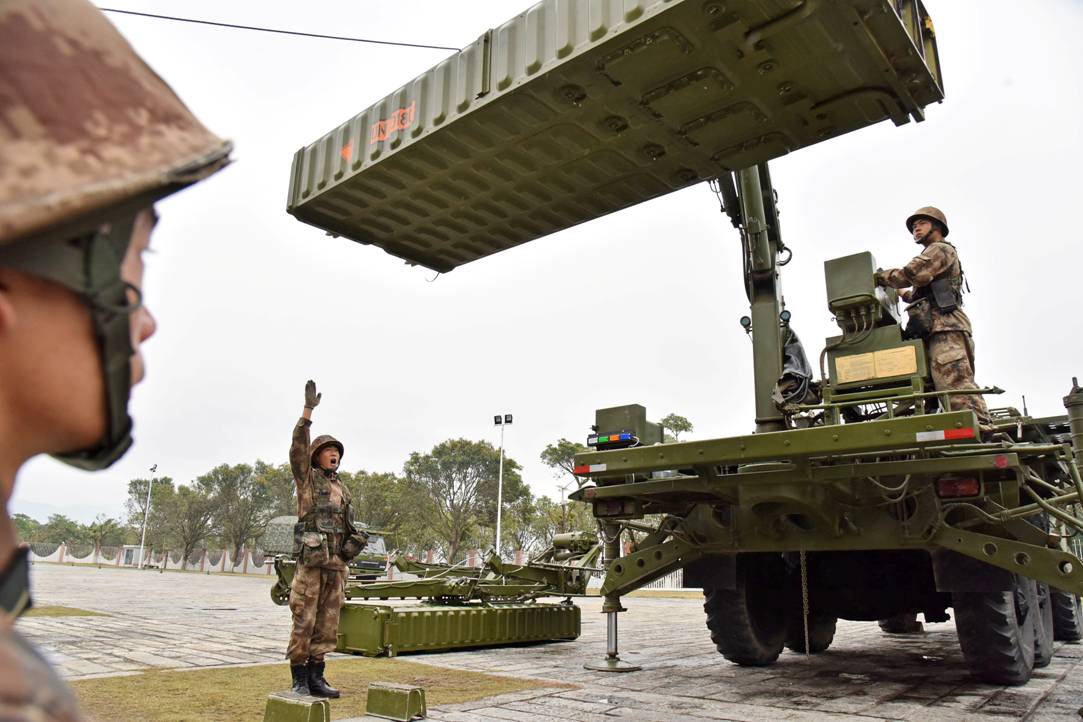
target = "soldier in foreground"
x: 91, y: 139
x: 935, y: 280
x: 324, y: 541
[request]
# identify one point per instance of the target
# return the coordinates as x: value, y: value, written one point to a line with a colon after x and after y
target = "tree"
x: 60, y: 528
x: 456, y: 484
x: 136, y: 504
x: 281, y: 488
x: 677, y: 424
x: 561, y: 457
x: 104, y: 531
x: 27, y: 529
x: 393, y: 505
x: 188, y: 519
x: 241, y: 505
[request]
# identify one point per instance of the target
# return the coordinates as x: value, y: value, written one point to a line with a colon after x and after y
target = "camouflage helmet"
x: 86, y: 124
x: 89, y: 137
x: 322, y: 442
x: 929, y: 213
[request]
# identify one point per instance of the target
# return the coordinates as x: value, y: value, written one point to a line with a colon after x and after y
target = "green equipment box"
x: 384, y: 629
x: 574, y: 109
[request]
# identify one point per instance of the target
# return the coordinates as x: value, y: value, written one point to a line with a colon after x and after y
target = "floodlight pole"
x: 500, y: 420
x: 146, y: 513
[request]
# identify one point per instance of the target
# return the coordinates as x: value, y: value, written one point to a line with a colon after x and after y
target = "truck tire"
x: 1067, y: 616
x: 748, y: 623
x: 821, y: 632
x: 1043, y: 627
x: 996, y: 632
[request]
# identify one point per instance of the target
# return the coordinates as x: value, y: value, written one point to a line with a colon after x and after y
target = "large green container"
x: 577, y: 108
x: 384, y: 629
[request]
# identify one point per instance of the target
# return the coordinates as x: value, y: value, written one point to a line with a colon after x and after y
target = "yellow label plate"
x: 900, y: 361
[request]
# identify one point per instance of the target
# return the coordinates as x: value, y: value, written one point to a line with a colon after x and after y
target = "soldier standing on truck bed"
x: 90, y: 139
x: 324, y: 541
x: 935, y: 277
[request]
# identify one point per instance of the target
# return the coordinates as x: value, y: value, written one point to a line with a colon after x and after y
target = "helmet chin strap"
x: 106, y: 296
x: 89, y: 265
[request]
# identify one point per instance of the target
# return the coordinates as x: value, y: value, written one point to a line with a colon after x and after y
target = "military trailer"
x: 860, y: 494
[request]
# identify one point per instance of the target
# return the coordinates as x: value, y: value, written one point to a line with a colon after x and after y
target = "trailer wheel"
x: 821, y: 632
x: 1067, y: 616
x: 748, y: 623
x: 905, y: 623
x: 1043, y: 627
x: 997, y: 632
x: 280, y: 594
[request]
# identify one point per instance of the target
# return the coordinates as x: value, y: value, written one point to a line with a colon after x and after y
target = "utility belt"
x: 943, y: 295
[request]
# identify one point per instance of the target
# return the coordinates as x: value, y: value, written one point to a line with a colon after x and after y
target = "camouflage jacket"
x: 317, y: 488
x: 935, y: 260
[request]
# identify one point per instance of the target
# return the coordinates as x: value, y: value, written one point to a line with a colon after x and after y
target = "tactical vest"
x: 325, y: 516
x: 945, y: 291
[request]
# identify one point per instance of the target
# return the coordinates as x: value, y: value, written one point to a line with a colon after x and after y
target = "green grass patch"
x: 240, y: 693
x: 58, y: 611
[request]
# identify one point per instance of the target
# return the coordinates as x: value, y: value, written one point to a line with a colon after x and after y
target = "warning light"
x: 951, y: 486
x: 601, y: 439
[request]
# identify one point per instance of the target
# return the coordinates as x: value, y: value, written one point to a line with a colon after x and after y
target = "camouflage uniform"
x: 318, y: 590
x: 91, y: 136
x: 950, y: 345
x: 29, y: 688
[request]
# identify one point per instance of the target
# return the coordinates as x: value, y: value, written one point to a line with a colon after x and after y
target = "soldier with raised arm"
x: 935, y: 279
x: 324, y: 541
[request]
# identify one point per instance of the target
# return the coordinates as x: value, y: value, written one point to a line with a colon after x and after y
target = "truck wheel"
x: 821, y: 632
x: 748, y: 624
x: 997, y: 631
x: 1043, y: 627
x: 1067, y: 616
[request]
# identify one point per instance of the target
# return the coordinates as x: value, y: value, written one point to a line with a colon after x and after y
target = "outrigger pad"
x: 401, y: 702
x: 572, y: 110
x: 290, y: 707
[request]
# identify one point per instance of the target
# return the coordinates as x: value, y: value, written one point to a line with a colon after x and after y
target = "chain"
x: 804, y: 598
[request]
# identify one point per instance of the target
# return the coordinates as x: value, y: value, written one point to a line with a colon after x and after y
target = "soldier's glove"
x: 878, y: 277
x: 352, y: 545
x: 312, y: 399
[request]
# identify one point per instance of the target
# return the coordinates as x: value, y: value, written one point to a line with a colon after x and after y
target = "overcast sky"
x: 251, y: 302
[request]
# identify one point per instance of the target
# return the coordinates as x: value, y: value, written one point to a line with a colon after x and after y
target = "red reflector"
x: 948, y: 487
x: 1001, y: 461
x: 967, y: 433
x: 584, y: 469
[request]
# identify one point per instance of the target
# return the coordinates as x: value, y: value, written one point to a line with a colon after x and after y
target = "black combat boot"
x: 317, y: 685
x: 300, y: 679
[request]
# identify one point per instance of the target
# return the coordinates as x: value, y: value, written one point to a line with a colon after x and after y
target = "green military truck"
x: 859, y: 495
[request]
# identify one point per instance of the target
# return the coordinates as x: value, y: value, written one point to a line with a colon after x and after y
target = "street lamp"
x: 146, y: 513
x: 501, y: 421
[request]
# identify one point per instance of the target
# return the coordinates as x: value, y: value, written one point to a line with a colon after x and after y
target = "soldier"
x: 935, y: 278
x: 90, y: 139
x: 325, y: 539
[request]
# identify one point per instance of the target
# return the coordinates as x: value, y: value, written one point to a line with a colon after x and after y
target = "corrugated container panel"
x: 384, y: 629
x: 576, y: 108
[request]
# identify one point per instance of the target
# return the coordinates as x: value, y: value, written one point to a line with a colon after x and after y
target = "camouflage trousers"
x: 316, y: 598
x: 951, y: 363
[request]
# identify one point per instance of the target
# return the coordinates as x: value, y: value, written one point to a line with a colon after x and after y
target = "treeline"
x: 444, y: 499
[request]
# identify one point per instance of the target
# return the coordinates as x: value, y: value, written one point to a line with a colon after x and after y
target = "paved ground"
x: 184, y: 620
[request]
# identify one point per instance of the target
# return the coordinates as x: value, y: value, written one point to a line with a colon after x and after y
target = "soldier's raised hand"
x: 312, y: 399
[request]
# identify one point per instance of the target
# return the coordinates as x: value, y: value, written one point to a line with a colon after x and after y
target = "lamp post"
x: 146, y: 513
x: 500, y: 420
